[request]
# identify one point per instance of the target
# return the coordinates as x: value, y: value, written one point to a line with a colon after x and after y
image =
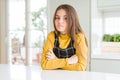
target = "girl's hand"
x: 73, y: 59
x: 50, y: 55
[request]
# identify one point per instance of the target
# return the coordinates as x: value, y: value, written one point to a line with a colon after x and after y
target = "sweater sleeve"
x: 54, y: 63
x: 82, y: 55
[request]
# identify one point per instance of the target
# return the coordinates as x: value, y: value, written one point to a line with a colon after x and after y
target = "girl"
x: 65, y: 47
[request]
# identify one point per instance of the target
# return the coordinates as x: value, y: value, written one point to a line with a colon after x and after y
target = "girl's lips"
x: 60, y: 25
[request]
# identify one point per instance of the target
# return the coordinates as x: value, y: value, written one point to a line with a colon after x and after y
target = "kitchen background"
x: 24, y: 25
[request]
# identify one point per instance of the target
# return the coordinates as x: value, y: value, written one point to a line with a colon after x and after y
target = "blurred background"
x: 24, y: 25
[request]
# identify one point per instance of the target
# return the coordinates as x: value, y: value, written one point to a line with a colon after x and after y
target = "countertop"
x: 19, y: 72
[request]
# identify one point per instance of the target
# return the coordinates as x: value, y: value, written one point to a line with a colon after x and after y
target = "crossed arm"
x: 76, y: 62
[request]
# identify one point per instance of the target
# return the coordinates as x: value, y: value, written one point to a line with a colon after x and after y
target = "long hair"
x: 73, y: 22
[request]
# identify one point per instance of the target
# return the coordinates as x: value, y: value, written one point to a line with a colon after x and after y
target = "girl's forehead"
x: 61, y: 12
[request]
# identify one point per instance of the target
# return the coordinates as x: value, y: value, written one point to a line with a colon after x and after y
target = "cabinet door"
x: 104, y: 65
x: 108, y: 4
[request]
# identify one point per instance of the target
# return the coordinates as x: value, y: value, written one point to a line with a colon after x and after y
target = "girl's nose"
x: 61, y: 20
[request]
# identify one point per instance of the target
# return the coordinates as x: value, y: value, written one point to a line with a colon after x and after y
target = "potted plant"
x: 111, y: 43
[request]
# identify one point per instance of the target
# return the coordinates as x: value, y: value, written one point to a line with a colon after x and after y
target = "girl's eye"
x: 65, y: 18
x: 57, y: 18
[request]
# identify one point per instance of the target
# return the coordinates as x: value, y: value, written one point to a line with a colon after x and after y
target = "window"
x: 111, y: 22
x: 26, y: 29
x: 105, y: 21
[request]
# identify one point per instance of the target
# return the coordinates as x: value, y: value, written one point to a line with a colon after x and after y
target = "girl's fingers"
x: 50, y: 51
x: 50, y: 55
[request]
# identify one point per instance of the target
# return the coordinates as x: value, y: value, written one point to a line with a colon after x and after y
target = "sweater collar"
x: 64, y: 36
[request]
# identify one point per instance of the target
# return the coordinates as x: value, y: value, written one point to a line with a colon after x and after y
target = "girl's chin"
x: 63, y: 32
x: 60, y: 30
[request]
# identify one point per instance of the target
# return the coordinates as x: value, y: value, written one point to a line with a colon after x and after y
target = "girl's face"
x: 61, y: 21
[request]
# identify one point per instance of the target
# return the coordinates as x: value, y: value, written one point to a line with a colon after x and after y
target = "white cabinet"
x: 106, y: 5
x: 105, y: 65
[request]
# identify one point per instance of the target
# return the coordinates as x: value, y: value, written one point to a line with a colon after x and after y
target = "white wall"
x: 96, y: 26
x: 82, y: 7
x: 3, y: 24
x: 0, y: 31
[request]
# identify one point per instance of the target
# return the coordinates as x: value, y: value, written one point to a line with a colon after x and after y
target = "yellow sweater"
x: 63, y: 43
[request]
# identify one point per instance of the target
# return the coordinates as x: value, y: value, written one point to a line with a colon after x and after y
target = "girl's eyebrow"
x: 63, y: 16
x: 56, y: 15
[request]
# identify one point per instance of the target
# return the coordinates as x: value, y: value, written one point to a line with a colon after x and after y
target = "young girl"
x: 65, y: 47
